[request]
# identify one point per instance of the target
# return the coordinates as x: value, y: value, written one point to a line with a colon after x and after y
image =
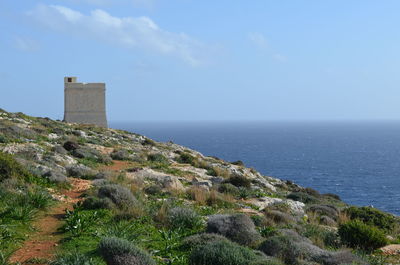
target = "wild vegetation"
x: 161, y: 203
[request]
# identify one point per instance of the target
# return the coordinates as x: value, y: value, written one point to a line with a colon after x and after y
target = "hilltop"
x: 80, y: 194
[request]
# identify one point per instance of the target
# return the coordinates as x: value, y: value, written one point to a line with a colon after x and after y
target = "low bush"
x: 159, y: 158
x: 321, y: 236
x: 180, y: 217
x: 121, y: 154
x: 228, y: 188
x: 373, y: 217
x: 119, y: 195
x: 327, y: 210
x: 238, y: 228
x: 186, y: 158
x: 332, y: 196
x: 118, y: 251
x: 339, y: 258
x: 281, y: 246
x: 70, y: 145
x: 357, y: 234
x: 239, y: 181
x: 238, y: 163
x: 149, y: 142
x: 222, y: 253
x: 93, y: 203
x: 10, y: 168
x: 201, y: 239
x: 73, y: 258
x: 279, y: 217
x: 153, y: 190
x: 302, y: 197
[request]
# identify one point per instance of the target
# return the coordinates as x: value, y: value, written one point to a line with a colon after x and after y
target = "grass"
x: 17, y: 211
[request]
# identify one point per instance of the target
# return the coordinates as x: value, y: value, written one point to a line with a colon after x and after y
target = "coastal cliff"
x: 80, y: 194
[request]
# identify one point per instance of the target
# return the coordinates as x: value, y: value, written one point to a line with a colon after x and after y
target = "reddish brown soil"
x: 117, y: 166
x: 42, y: 244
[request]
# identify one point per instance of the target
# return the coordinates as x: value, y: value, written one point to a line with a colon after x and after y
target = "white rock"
x: 296, y: 207
x: 264, y: 202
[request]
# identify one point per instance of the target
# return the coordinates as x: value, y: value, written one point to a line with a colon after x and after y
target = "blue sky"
x: 205, y: 60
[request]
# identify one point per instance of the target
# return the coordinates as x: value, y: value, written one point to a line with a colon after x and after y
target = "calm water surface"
x: 357, y: 160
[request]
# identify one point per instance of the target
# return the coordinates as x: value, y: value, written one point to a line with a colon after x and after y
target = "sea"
x: 359, y: 161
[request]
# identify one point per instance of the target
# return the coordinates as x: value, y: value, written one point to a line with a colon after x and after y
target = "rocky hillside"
x: 147, y: 202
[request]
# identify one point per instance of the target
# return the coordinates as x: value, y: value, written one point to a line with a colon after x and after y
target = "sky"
x: 191, y: 60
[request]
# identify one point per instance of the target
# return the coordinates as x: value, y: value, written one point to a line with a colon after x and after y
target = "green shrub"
x: 302, y: 197
x: 222, y: 253
x: 239, y: 181
x: 238, y: 163
x: 148, y: 141
x: 357, y: 234
x: 180, y: 217
x: 93, y: 203
x: 267, y: 231
x: 157, y: 158
x: 153, y: 190
x: 373, y: 217
x: 186, y: 158
x: 119, y: 195
x: 3, y: 140
x: 10, y: 168
x: 228, y: 188
x: 118, y: 251
x: 73, y: 258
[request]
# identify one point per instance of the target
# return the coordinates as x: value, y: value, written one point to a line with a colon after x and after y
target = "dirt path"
x: 117, y: 166
x: 42, y: 244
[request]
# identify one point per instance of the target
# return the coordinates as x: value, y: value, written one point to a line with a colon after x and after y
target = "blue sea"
x: 359, y: 161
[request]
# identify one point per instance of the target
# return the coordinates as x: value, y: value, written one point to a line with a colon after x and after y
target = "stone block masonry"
x: 84, y: 102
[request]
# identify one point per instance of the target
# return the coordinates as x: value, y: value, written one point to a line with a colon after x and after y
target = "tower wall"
x: 84, y: 103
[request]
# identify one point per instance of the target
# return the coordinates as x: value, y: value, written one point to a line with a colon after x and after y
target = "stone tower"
x: 84, y: 102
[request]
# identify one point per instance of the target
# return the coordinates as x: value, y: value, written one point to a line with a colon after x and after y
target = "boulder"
x: 172, y: 183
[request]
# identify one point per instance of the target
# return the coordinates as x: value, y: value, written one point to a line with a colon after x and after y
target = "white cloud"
x: 261, y: 42
x: 258, y: 39
x: 128, y: 32
x: 26, y: 44
x: 136, y: 3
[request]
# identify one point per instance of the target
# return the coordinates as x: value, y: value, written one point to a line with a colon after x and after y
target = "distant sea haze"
x: 359, y: 161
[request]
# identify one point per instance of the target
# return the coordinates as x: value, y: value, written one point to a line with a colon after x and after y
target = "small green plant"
x: 80, y: 222
x: 185, y: 218
x: 373, y: 217
x: 357, y: 234
x: 239, y: 181
x: 73, y: 258
x: 39, y: 199
x: 267, y: 231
